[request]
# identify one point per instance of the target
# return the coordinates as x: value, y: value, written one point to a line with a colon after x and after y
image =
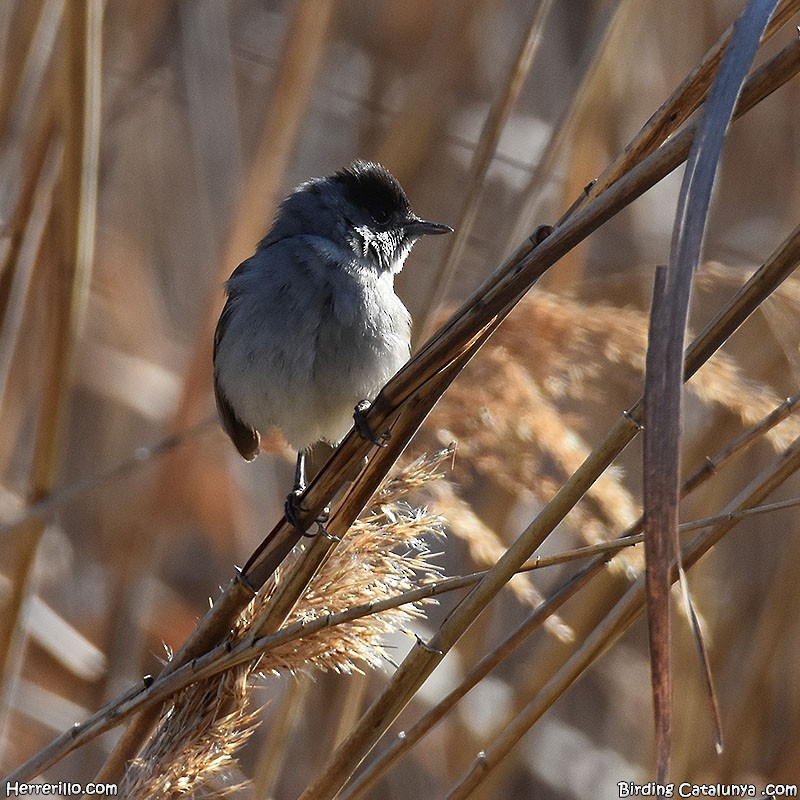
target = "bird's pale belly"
x: 312, y: 398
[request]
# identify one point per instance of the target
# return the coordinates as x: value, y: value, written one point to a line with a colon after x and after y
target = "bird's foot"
x: 363, y: 428
x: 292, y: 507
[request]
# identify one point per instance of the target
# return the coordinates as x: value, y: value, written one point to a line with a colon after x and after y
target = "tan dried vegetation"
x: 143, y: 147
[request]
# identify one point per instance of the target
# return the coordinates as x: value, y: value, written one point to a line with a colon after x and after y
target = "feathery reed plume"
x: 383, y: 554
x: 196, y: 741
x: 521, y: 413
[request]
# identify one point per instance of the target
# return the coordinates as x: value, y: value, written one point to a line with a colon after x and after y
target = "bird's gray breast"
x: 364, y: 331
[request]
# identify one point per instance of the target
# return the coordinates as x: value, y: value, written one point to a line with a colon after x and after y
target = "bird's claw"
x: 363, y: 427
x: 321, y: 529
x: 291, y: 508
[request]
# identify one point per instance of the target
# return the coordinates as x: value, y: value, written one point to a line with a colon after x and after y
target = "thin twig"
x: 481, y: 161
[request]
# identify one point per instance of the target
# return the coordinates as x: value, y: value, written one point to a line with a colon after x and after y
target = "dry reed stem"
x: 383, y: 555
x: 626, y: 610
x: 679, y: 106
x: 274, y: 751
x: 711, y: 465
x: 19, y: 117
x: 485, y: 547
x: 225, y: 658
x: 521, y: 434
x: 27, y: 230
x: 300, y: 62
x: 542, y: 614
x: 491, y: 302
x: 605, y: 48
x: 22, y: 270
x: 79, y: 199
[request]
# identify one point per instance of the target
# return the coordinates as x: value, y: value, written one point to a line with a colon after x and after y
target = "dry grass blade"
x: 703, y: 657
x: 79, y: 199
x: 481, y: 160
x: 662, y: 430
x: 663, y: 380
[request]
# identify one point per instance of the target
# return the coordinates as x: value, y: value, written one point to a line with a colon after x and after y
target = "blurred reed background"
x: 192, y: 119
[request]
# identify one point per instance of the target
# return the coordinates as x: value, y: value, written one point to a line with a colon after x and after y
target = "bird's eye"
x: 380, y: 215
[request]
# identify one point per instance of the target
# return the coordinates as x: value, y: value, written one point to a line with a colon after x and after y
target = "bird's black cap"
x: 372, y: 187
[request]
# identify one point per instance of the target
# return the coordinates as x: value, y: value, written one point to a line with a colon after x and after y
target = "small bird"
x: 312, y: 326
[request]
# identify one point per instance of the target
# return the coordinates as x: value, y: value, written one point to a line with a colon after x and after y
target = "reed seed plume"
x: 385, y: 552
x: 196, y: 741
x: 522, y: 412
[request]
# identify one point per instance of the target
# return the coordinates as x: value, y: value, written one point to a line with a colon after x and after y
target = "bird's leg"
x: 300, y: 471
x: 292, y: 504
x: 363, y: 428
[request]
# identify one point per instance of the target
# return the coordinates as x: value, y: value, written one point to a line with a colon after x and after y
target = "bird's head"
x: 361, y: 208
x: 381, y: 225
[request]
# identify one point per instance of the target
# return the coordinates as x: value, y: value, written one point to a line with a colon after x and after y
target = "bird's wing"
x: 245, y: 438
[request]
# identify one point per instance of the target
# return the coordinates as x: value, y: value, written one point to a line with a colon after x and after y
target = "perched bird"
x: 312, y: 326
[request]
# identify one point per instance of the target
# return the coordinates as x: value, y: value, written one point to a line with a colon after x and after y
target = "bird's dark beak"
x: 421, y: 227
